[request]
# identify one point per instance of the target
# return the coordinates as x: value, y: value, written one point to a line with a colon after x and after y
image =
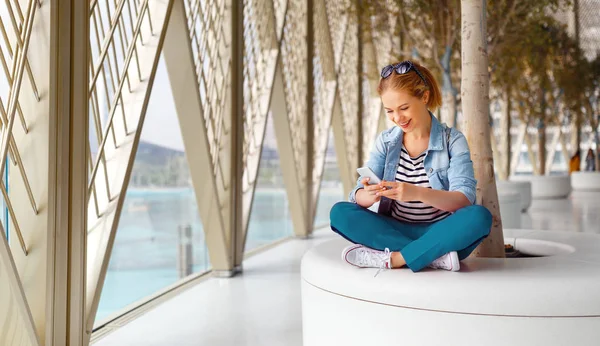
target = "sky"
x: 161, y: 126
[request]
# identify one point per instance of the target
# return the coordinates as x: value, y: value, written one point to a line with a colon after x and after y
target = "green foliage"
x: 551, y: 73
x: 530, y: 53
x: 427, y: 28
x: 589, y: 73
x: 519, y: 41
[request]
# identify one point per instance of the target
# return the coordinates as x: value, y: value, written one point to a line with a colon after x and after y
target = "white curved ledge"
x: 585, y: 181
x: 546, y: 300
x: 522, y: 187
x: 547, y: 186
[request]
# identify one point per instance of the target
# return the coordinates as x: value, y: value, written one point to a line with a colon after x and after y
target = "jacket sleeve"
x: 461, y: 176
x: 376, y: 162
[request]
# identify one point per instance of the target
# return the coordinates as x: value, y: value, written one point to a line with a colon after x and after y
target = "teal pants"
x: 419, y: 244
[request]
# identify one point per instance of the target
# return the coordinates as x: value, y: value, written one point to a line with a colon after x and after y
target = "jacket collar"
x: 436, y: 138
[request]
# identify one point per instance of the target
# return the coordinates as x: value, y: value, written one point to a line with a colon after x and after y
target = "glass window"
x: 270, y: 218
x: 5, y: 217
x: 160, y: 238
x: 332, y: 190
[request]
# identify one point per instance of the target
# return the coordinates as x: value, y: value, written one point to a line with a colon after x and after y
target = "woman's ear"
x: 425, y: 96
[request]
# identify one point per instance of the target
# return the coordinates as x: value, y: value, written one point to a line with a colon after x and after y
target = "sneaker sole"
x: 345, y: 252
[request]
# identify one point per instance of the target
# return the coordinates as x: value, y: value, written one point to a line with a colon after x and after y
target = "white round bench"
x: 585, y: 181
x: 529, y: 301
x: 510, y: 208
x: 547, y: 186
x: 521, y: 187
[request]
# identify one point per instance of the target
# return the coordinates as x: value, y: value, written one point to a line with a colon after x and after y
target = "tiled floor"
x: 262, y: 306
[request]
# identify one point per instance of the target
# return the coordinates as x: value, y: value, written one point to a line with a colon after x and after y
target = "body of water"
x: 147, y: 246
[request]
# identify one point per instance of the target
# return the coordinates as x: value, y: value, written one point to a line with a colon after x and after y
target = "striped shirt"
x: 412, y: 170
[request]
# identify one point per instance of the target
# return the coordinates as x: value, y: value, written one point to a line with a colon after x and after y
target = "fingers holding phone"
x: 371, y: 189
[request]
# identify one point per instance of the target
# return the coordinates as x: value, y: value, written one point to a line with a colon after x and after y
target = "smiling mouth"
x: 404, y: 124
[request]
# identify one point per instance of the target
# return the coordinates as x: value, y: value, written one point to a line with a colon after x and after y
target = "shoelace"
x: 373, y: 258
x: 440, y: 263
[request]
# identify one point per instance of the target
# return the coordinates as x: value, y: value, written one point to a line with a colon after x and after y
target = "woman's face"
x: 405, y: 110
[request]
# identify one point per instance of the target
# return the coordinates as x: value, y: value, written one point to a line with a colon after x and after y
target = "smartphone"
x: 366, y: 172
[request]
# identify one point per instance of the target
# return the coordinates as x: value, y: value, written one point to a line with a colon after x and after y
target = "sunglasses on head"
x: 401, y: 68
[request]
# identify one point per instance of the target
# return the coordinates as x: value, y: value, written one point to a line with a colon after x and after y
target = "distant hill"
x: 158, y: 166
x: 153, y: 154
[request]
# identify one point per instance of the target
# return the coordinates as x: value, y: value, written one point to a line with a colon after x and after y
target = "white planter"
x: 585, y: 181
x: 547, y: 186
x: 510, y: 208
x: 345, y: 305
x: 521, y: 187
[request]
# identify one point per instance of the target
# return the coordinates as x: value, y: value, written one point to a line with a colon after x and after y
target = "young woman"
x: 426, y: 215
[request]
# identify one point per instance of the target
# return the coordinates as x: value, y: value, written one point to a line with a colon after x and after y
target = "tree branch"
x: 406, y: 30
x: 453, y: 28
x: 434, y: 43
x: 507, y: 19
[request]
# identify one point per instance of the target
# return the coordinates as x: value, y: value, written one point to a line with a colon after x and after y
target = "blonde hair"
x: 413, y: 84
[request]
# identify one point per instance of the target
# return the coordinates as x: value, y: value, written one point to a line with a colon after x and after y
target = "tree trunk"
x: 597, y: 140
x: 530, y: 154
x: 448, y: 110
x: 449, y: 93
x: 597, y: 153
x: 573, y: 28
x: 542, y: 147
x: 475, y: 105
x: 575, y: 132
x: 505, y: 144
x: 597, y: 132
x: 594, y: 121
x: 542, y: 134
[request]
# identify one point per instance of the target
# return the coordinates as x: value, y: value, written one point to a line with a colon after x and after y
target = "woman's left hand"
x: 401, y: 192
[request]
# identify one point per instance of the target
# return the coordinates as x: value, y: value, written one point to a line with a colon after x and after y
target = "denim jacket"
x: 447, y: 161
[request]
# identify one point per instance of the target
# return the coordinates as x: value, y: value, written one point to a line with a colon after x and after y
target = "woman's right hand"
x: 366, y: 196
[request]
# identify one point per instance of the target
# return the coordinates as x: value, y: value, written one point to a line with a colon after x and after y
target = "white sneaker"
x: 364, y: 257
x: 448, y: 262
